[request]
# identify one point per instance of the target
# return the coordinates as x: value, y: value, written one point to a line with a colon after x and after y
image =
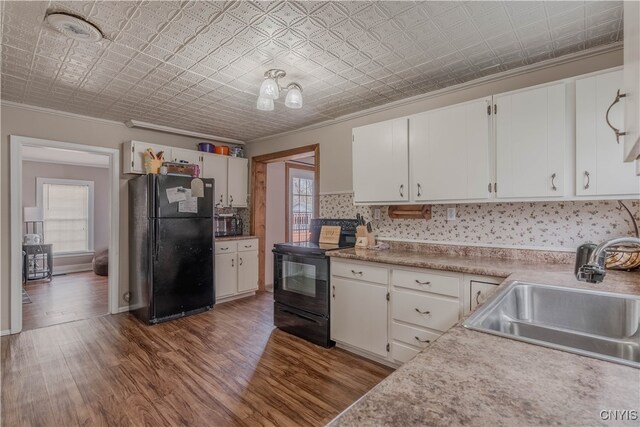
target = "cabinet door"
x: 359, y: 315
x: 180, y: 155
x: 600, y: 169
x: 226, y: 275
x: 138, y: 150
x: 450, y: 152
x: 381, y: 162
x: 247, y: 271
x: 237, y: 181
x: 531, y: 139
x: 632, y: 81
x: 479, y: 292
x: 215, y: 167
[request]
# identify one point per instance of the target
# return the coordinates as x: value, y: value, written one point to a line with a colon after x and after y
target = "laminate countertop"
x: 472, y: 378
x: 232, y: 238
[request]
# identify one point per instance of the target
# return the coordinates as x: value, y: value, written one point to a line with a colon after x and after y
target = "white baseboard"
x: 72, y: 268
x: 5, y: 332
x: 123, y: 309
x: 234, y: 297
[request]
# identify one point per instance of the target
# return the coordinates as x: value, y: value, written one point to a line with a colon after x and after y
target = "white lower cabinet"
x: 390, y: 313
x: 359, y: 315
x: 236, y: 269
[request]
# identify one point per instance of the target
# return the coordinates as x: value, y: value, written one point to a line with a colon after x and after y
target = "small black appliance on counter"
x: 228, y: 225
x: 301, y: 282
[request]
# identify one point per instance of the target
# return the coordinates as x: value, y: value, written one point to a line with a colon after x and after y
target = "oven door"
x: 302, y: 281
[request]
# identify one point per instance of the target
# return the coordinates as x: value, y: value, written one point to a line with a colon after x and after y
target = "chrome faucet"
x: 593, y: 270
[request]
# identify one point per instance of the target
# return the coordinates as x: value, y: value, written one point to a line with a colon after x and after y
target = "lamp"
x: 294, y: 96
x: 270, y: 91
x: 264, y: 104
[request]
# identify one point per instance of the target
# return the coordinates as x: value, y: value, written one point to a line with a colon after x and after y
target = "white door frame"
x: 16, y: 144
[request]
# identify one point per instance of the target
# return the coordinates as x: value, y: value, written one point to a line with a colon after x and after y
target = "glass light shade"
x: 264, y: 104
x: 294, y: 98
x: 269, y: 89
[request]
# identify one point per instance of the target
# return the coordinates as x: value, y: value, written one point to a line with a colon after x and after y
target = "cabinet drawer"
x: 424, y: 310
x: 403, y: 353
x: 226, y: 247
x: 427, y: 281
x: 368, y: 273
x: 411, y: 335
x: 247, y: 245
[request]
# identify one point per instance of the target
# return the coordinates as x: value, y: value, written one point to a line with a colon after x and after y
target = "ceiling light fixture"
x: 74, y: 27
x: 270, y: 91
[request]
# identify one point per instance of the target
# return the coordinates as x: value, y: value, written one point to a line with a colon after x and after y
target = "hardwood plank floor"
x: 228, y: 366
x: 66, y: 298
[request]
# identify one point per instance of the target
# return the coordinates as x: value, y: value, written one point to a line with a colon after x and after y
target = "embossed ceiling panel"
x: 198, y: 65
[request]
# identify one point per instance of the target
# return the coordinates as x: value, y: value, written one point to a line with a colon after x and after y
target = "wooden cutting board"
x: 330, y: 234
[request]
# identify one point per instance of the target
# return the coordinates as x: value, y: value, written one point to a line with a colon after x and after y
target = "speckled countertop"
x: 231, y: 238
x: 467, y: 377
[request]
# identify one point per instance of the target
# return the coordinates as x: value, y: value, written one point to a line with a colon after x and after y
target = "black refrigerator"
x: 171, y: 240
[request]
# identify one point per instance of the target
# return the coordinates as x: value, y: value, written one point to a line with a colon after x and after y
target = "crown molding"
x: 60, y: 113
x: 565, y: 59
x: 67, y: 163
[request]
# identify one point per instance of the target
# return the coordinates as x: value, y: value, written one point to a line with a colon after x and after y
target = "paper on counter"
x: 189, y: 204
x: 176, y: 194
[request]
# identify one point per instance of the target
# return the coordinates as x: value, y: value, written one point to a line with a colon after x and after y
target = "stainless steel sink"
x: 597, y: 324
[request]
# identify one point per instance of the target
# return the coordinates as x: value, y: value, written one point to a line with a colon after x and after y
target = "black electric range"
x: 301, y: 282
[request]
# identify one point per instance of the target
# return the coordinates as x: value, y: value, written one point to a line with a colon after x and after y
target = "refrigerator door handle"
x: 156, y: 238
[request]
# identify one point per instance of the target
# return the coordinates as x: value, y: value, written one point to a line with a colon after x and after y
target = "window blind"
x: 66, y: 216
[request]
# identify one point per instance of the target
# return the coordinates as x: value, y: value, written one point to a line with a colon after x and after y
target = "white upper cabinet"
x: 238, y: 171
x: 530, y: 142
x: 631, y: 81
x: 133, y: 153
x: 381, y: 162
x: 600, y: 169
x: 450, y: 153
x: 180, y: 155
x: 215, y: 166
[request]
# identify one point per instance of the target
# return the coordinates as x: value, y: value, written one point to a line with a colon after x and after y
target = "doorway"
x: 284, y: 197
x: 64, y: 232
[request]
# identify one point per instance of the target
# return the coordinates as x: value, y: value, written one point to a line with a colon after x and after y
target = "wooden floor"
x: 65, y: 298
x: 228, y: 366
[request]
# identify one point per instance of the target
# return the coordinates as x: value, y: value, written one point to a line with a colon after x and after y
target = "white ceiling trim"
x: 59, y: 113
x: 577, y: 56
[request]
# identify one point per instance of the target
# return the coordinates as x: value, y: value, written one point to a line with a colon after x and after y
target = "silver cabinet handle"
x: 553, y: 182
x: 401, y: 190
x: 240, y: 261
x: 419, y: 340
x: 224, y: 249
x: 233, y: 262
x: 422, y: 312
x: 334, y: 291
x: 419, y: 190
x: 586, y: 174
x: 230, y: 201
x: 489, y: 187
x: 616, y: 131
x: 220, y: 202
x: 422, y: 283
x: 247, y: 246
x: 356, y: 273
x: 478, y: 297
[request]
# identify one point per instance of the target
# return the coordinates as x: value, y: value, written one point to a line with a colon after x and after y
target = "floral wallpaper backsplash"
x: 562, y: 225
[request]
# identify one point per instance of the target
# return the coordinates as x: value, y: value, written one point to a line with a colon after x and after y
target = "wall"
x: 335, y: 139
x: 58, y: 126
x: 542, y: 225
x: 275, y: 221
x: 99, y: 176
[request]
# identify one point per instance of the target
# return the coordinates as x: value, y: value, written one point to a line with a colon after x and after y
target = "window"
x: 67, y: 207
x: 300, y: 203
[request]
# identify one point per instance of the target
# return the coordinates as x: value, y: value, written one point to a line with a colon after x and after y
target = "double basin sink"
x: 601, y: 325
